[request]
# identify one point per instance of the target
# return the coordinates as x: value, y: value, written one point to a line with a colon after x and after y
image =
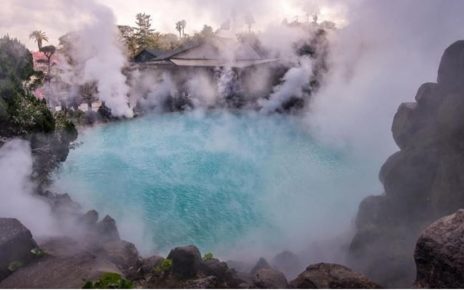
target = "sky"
x: 56, y: 17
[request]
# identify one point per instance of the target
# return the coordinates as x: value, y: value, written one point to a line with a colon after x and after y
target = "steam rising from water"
x: 239, y: 185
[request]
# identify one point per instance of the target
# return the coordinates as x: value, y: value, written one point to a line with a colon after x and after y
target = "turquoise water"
x: 217, y: 180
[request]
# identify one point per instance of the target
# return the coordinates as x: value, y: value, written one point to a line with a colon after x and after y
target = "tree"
x: 249, y: 20
x: 39, y: 36
x: 183, y: 25
x: 48, y: 50
x: 207, y: 31
x: 127, y: 34
x: 180, y: 26
x: 144, y: 35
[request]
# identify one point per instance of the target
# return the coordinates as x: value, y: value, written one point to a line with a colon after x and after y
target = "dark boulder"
x: 107, y: 229
x: 90, y: 218
x: 16, y: 243
x: 261, y: 264
x: 209, y: 282
x: 149, y: 264
x: 62, y: 272
x: 267, y: 278
x: 439, y: 253
x: 331, y: 276
x: 123, y: 254
x: 288, y: 263
x: 451, y: 70
x: 186, y: 261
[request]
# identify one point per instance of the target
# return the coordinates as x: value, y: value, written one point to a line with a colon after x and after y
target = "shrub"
x: 109, y: 281
x: 164, y: 266
x: 208, y: 256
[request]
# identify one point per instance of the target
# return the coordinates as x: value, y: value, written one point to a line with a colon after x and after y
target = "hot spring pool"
x: 221, y: 181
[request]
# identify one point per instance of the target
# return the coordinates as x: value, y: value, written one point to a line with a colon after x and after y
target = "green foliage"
x: 208, y: 256
x: 37, y: 252
x: 145, y: 36
x: 109, y: 281
x: 15, y: 265
x: 164, y: 266
x: 30, y: 115
x: 15, y: 62
x: 20, y: 112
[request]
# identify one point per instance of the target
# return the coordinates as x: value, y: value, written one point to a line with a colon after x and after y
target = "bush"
x: 164, y: 266
x: 208, y: 256
x: 109, y: 281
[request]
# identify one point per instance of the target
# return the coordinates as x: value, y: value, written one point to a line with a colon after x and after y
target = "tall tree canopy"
x: 145, y: 35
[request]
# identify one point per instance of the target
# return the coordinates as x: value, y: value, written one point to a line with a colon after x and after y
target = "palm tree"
x: 39, y: 37
x: 183, y: 24
x: 179, y: 28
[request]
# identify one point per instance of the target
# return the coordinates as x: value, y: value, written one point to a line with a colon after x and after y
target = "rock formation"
x: 331, y: 276
x: 423, y: 181
x: 16, y: 246
x: 439, y: 253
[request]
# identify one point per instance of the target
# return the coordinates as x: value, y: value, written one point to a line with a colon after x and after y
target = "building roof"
x: 214, y: 52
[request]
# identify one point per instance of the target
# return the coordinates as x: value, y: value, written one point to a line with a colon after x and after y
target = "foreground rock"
x: 16, y: 246
x: 59, y: 272
x: 439, y: 253
x: 186, y: 261
x: 268, y: 278
x: 423, y: 181
x: 331, y: 276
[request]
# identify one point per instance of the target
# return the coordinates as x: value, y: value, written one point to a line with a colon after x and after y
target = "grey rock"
x: 107, y: 229
x: 261, y: 264
x: 149, y: 264
x: 451, y: 70
x: 267, y: 278
x: 16, y: 243
x: 209, y: 282
x: 90, y: 218
x: 123, y: 254
x: 288, y: 263
x: 331, y: 276
x: 59, y: 272
x: 186, y: 261
x: 439, y: 253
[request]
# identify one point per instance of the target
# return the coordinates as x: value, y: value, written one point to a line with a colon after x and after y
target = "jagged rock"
x: 439, y: 253
x: 214, y: 267
x: 267, y: 278
x: 123, y: 254
x: 149, y: 264
x: 209, y: 282
x: 63, y: 205
x: 186, y: 261
x: 90, y: 218
x: 423, y: 181
x: 16, y: 243
x: 450, y: 72
x: 288, y: 263
x: 331, y: 276
x: 59, y: 272
x: 107, y: 229
x: 261, y: 264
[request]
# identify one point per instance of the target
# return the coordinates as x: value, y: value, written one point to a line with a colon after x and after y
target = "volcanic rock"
x: 331, y: 276
x: 439, y: 253
x: 267, y: 278
x: 16, y: 243
x: 186, y: 261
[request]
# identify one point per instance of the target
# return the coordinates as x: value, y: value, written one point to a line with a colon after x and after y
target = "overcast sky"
x: 56, y: 17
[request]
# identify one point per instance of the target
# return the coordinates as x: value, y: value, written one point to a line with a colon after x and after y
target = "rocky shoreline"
x: 394, y: 231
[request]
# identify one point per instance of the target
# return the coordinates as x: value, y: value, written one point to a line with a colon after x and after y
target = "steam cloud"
x: 17, y: 190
